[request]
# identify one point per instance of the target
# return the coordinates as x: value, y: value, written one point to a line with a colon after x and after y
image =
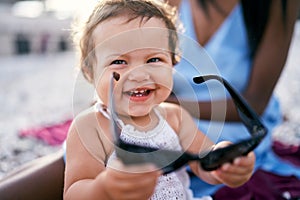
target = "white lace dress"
x: 174, y: 185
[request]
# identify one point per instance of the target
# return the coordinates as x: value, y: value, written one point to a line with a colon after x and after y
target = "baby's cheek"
x: 102, y: 90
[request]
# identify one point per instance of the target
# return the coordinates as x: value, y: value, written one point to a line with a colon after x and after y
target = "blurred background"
x: 37, y: 26
x: 38, y: 78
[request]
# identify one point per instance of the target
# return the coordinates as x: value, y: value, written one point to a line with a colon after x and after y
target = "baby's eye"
x: 153, y: 60
x: 118, y: 62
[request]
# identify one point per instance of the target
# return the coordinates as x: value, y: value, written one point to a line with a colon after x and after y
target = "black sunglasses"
x: 169, y: 160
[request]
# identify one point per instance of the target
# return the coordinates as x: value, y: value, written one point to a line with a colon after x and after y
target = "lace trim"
x: 130, y: 129
x: 133, y: 132
x: 169, y: 187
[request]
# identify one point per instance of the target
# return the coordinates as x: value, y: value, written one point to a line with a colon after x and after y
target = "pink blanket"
x: 52, y: 134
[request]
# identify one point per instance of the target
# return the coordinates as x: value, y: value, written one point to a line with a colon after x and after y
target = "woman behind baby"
x: 136, y: 39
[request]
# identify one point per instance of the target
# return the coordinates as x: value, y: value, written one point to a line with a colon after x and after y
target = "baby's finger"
x: 240, y: 166
x: 246, y: 161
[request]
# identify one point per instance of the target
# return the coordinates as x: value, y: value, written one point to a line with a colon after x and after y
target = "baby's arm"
x: 88, y: 178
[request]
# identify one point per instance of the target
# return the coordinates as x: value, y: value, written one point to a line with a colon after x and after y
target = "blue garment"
x: 227, y: 54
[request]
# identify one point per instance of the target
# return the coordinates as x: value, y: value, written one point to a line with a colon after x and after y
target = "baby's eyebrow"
x: 114, y: 55
x: 160, y: 51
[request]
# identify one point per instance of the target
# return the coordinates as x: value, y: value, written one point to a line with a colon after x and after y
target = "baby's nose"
x: 138, y: 75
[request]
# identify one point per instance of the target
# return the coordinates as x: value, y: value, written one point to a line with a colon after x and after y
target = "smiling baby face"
x: 139, y: 51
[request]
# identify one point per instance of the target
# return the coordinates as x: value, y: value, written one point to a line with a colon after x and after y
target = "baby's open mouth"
x: 138, y: 92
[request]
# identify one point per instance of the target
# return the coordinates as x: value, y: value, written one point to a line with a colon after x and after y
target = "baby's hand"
x: 236, y: 173
x: 131, y: 182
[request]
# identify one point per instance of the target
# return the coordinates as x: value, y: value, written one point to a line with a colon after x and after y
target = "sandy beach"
x: 38, y: 90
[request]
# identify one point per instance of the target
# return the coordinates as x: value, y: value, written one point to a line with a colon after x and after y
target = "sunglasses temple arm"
x: 115, y: 129
x: 248, y: 116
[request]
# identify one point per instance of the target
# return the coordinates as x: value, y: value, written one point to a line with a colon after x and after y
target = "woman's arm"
x: 271, y: 54
x: 268, y: 63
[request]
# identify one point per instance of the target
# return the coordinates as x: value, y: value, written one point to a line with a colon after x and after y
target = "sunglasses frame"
x: 169, y: 160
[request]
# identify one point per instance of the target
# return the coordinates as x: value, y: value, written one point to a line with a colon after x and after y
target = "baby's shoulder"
x: 172, y: 113
x: 88, y: 115
x: 171, y: 109
x: 93, y: 130
x: 91, y: 120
